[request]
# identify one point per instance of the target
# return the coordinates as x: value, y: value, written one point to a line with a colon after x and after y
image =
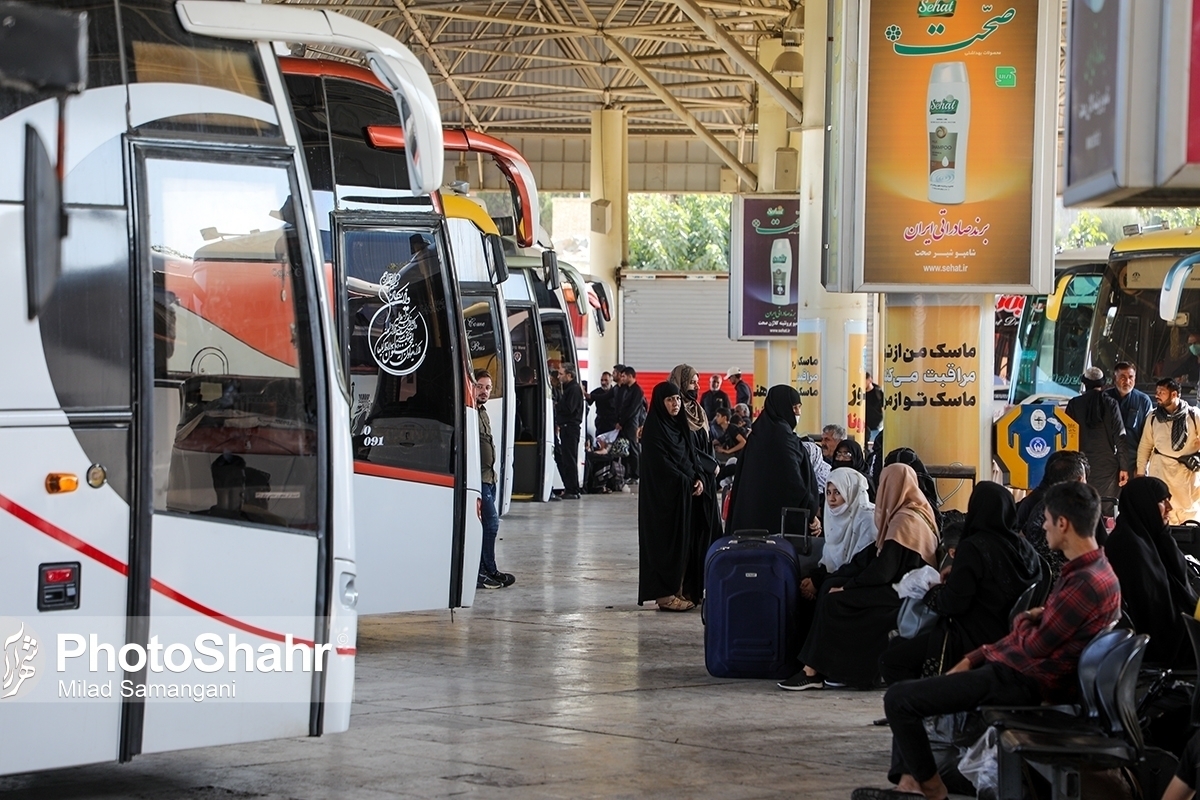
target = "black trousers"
x: 909, y: 702
x: 635, y: 449
x: 566, y: 456
x: 904, y: 658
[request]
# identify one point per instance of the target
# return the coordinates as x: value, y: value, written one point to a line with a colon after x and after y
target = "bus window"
x: 558, y: 339
x: 526, y: 355
x: 162, y: 56
x: 1052, y: 352
x: 479, y: 313
x: 403, y: 364
x: 235, y: 434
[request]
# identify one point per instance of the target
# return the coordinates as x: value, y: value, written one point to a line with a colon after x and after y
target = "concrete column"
x: 936, y: 376
x: 609, y: 251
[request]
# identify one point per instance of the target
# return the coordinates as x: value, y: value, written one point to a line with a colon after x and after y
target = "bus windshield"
x: 1051, y: 353
x: 1128, y: 328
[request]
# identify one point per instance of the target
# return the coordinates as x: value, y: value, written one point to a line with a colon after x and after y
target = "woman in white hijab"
x: 849, y: 518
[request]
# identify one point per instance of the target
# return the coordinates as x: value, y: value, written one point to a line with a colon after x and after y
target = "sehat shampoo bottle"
x: 949, y: 123
x: 781, y: 272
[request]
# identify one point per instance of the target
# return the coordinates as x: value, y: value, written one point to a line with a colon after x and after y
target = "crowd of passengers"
x: 880, y: 522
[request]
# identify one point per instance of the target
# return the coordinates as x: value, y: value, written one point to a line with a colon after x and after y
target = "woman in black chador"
x: 993, y: 565
x: 670, y: 478
x: 773, y: 472
x: 1154, y: 585
x: 706, y: 516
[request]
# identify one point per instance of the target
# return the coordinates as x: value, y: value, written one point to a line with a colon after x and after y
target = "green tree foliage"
x: 679, y: 232
x: 1086, y: 231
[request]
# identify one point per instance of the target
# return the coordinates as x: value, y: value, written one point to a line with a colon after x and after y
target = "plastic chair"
x: 1083, y: 718
x: 1059, y: 756
x: 1023, y: 604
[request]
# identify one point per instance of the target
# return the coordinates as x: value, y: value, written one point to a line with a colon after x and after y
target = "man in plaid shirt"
x: 1037, y: 661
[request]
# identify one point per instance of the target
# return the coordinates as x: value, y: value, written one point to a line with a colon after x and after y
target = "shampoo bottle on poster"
x: 781, y: 272
x: 949, y: 124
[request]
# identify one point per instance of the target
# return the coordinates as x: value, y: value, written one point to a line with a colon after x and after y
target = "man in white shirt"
x: 1171, y: 436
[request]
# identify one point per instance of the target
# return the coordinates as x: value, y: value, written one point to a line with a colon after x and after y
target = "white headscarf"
x: 851, y: 526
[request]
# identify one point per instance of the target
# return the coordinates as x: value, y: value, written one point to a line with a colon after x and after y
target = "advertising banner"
x: 956, y: 184
x: 764, y: 259
x: 934, y: 384
x: 856, y: 378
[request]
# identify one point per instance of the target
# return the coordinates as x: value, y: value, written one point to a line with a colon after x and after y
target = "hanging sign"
x: 955, y: 146
x: 764, y: 261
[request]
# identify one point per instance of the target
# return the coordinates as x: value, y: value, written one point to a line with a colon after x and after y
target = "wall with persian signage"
x: 934, y: 382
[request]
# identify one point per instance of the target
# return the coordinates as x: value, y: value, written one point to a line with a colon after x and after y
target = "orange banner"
x: 950, y: 142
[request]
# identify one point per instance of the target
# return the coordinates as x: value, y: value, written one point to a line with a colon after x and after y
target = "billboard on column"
x: 951, y: 170
x: 763, y: 267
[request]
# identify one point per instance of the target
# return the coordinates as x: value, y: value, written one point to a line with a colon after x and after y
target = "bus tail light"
x: 479, y: 509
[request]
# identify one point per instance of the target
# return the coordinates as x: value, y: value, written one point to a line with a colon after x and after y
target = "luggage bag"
x: 751, y: 596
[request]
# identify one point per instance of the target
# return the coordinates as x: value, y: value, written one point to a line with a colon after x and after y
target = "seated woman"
x: 849, y: 453
x: 857, y: 606
x: 993, y: 565
x: 849, y: 526
x: 906, y: 455
x: 1154, y: 576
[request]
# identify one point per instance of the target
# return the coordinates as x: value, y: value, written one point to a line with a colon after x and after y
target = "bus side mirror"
x: 499, y: 262
x: 43, y: 224
x: 550, y: 268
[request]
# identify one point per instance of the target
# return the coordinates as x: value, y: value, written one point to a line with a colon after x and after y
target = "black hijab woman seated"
x: 773, y: 472
x: 849, y: 453
x: 670, y: 477
x: 1154, y: 576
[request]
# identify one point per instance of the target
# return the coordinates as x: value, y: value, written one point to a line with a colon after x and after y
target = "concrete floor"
x: 559, y: 686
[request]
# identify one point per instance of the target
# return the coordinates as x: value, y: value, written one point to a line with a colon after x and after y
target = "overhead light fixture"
x: 789, y: 63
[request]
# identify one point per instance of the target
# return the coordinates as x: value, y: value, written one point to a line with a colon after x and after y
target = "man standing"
x: 873, y: 400
x: 1136, y: 406
x: 1187, y: 368
x: 1168, y: 440
x: 604, y: 398
x: 568, y: 419
x: 489, y: 576
x: 1101, y: 436
x: 630, y: 415
x: 741, y: 389
x: 714, y: 398
x: 1036, y: 662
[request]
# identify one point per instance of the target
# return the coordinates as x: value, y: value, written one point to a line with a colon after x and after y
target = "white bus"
x: 417, y: 481
x: 173, y: 404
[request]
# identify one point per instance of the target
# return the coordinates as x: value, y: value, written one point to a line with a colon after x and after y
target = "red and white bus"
x: 174, y: 400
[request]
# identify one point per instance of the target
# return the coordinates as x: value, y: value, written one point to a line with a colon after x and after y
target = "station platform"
x: 557, y: 687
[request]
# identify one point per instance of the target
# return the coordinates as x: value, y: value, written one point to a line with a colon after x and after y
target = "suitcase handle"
x: 806, y: 547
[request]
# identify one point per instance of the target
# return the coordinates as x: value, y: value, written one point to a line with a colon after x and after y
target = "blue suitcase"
x: 751, y: 595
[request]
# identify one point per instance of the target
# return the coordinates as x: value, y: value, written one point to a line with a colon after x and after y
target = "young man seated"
x: 1037, y: 661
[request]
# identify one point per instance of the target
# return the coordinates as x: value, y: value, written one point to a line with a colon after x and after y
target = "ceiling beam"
x: 745, y: 173
x: 762, y: 76
x: 438, y: 64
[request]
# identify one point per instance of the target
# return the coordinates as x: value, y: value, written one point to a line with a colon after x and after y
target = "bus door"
x: 533, y: 449
x: 235, y: 435
x: 491, y: 345
x: 560, y: 349
x: 408, y: 420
